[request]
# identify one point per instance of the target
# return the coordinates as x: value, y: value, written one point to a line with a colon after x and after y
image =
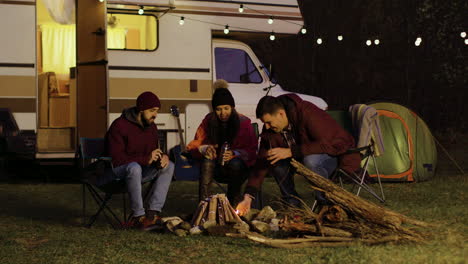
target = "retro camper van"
x: 68, y: 68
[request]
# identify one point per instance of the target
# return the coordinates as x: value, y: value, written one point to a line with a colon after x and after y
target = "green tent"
x: 410, y: 151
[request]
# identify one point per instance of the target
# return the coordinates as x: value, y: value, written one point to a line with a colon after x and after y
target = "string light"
x: 101, y: 1
x: 182, y: 21
x: 303, y: 30
x: 418, y: 41
x: 270, y: 20
x: 466, y: 41
x: 368, y: 42
x: 226, y: 29
x: 141, y: 11
x: 241, y: 8
x: 272, y: 36
x: 463, y: 34
x: 319, y: 41
x: 377, y: 42
x: 340, y: 37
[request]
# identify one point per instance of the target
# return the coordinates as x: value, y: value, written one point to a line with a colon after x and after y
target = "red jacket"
x: 316, y: 132
x: 128, y: 141
x: 245, y: 142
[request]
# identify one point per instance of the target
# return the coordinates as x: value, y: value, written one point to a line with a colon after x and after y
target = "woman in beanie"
x: 224, y: 125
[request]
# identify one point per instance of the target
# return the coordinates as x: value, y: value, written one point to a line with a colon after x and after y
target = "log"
x: 318, y: 241
x: 202, y: 211
x: 212, y: 208
x: 221, y: 214
x: 355, y: 204
x: 327, y: 231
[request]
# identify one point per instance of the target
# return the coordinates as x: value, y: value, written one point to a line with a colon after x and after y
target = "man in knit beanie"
x: 132, y: 142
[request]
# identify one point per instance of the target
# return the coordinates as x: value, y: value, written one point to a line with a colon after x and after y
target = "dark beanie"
x: 222, y: 96
x: 147, y: 100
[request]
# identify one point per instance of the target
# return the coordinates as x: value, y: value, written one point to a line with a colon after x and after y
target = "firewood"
x: 317, y: 241
x: 355, y: 204
x: 203, y: 206
x: 221, y: 214
x: 327, y: 231
x: 212, y: 208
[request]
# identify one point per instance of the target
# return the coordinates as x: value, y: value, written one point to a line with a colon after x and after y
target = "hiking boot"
x: 151, y: 223
x: 136, y: 222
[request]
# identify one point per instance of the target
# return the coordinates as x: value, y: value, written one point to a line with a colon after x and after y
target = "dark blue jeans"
x: 283, y: 172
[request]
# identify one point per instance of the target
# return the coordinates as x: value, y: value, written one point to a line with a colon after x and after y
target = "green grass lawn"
x: 40, y: 223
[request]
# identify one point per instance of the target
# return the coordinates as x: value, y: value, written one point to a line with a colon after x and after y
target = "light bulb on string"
x: 272, y: 36
x: 466, y: 41
x: 368, y: 42
x: 182, y: 21
x: 463, y: 34
x: 270, y: 20
x: 319, y: 41
x: 141, y: 11
x: 226, y: 29
x: 418, y: 41
x: 241, y: 8
x: 303, y: 30
x: 376, y: 41
x: 101, y: 1
x: 340, y: 37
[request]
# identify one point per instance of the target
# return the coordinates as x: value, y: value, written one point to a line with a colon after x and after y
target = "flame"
x: 237, y: 212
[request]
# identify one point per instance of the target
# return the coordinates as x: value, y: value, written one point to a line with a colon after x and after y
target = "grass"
x: 40, y: 223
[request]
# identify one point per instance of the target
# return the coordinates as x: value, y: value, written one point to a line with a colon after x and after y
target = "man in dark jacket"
x: 132, y: 142
x: 297, y: 129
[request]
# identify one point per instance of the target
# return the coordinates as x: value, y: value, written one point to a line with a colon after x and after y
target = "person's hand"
x: 164, y: 161
x: 210, y: 152
x: 276, y: 154
x: 244, y: 206
x: 155, y: 155
x: 228, y: 155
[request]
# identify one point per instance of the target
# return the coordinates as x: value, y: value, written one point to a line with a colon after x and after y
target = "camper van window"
x: 235, y: 66
x: 132, y: 32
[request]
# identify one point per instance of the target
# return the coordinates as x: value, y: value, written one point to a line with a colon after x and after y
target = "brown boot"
x: 207, y: 172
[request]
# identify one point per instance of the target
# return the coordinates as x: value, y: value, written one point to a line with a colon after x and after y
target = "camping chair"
x: 368, y: 154
x: 95, y: 165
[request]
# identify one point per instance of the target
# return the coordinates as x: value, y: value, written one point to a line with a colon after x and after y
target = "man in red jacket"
x: 220, y: 127
x: 132, y: 142
x: 297, y: 129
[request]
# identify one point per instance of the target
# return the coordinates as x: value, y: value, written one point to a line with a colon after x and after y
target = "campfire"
x: 349, y: 220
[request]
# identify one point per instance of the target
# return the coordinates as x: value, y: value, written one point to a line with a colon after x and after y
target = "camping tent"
x: 410, y: 151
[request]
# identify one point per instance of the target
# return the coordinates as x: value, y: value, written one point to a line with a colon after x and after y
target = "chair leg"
x: 103, y: 206
x: 378, y: 177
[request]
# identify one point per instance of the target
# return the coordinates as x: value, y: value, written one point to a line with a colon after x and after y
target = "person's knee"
x: 169, y: 169
x: 134, y: 169
x: 236, y: 165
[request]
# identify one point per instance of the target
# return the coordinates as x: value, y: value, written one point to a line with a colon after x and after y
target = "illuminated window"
x: 132, y: 32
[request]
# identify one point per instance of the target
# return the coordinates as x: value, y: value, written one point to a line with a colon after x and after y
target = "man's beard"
x: 147, y: 123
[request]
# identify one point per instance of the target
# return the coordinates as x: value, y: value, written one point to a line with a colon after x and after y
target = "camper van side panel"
x: 17, y: 60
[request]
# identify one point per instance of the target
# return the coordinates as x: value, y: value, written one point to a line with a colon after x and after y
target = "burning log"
x: 215, y: 211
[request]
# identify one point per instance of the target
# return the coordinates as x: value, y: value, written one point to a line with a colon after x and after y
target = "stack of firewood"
x: 215, y: 210
x: 349, y: 220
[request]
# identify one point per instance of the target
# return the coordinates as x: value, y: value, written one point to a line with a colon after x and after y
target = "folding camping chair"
x: 95, y: 165
x: 368, y: 154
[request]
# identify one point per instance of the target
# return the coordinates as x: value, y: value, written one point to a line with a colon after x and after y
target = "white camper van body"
x: 180, y: 70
